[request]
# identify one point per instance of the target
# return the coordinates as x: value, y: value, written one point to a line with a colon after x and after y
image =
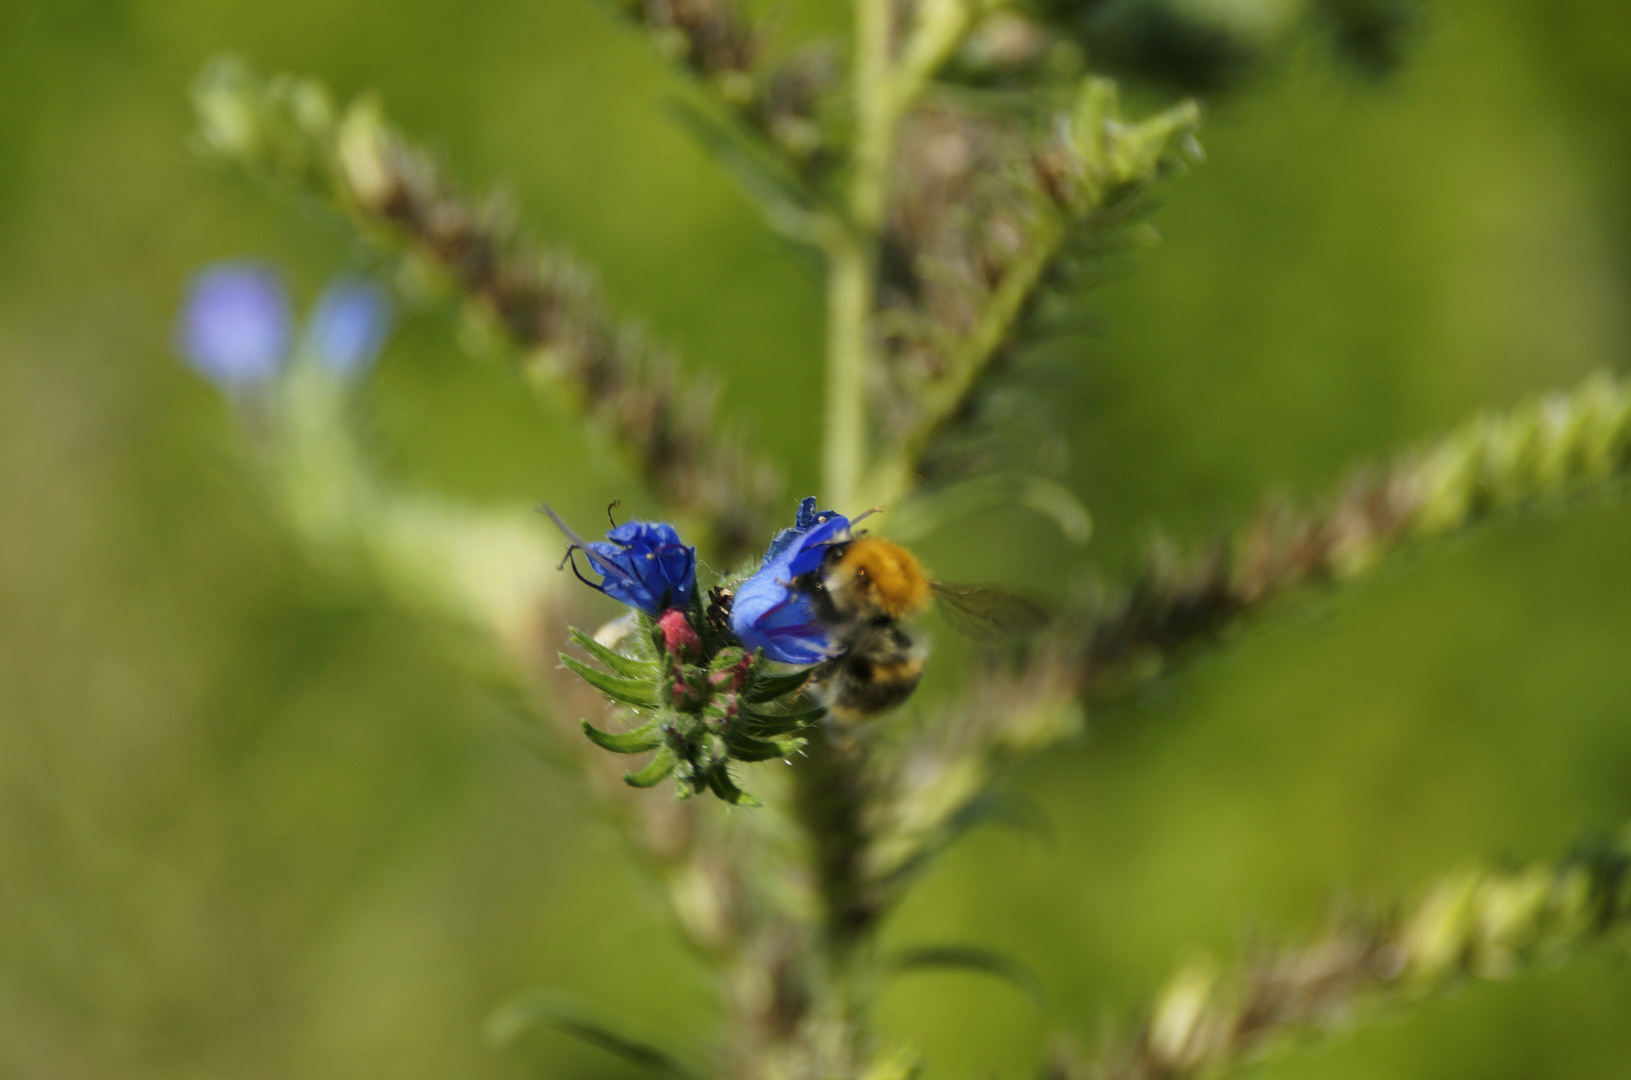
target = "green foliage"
x: 934, y: 275
x: 240, y: 807
x: 698, y: 706
x: 513, y: 1020
x: 1480, y: 923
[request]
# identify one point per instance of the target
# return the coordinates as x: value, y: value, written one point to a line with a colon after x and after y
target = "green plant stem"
x: 828, y: 800
x: 877, y: 113
x: 849, y: 307
x: 883, y: 90
x: 942, y: 25
x: 852, y: 259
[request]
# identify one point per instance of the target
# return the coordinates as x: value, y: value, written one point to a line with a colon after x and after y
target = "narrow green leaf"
x: 747, y: 748
x: 972, y: 958
x: 512, y: 1020
x: 615, y: 661
x: 661, y: 765
x: 647, y: 736
x: 787, y: 205
x: 629, y: 691
x: 771, y: 687
x: 719, y: 778
x: 772, y: 729
x: 987, y: 808
x: 776, y: 723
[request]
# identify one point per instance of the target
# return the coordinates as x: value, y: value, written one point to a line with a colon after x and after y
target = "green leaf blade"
x: 772, y: 687
x: 628, y: 691
x: 514, y: 1019
x: 627, y: 666
x: 650, y: 776
x: 647, y: 736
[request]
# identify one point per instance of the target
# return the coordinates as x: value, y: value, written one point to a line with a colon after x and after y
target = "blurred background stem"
x: 849, y: 305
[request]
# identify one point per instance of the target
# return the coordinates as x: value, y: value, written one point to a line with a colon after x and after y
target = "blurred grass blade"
x: 987, y: 808
x: 929, y: 512
x: 511, y: 1020
x: 786, y: 204
x: 972, y: 958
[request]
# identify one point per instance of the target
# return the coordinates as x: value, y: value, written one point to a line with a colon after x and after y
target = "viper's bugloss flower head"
x: 642, y: 564
x: 235, y: 324
x: 349, y: 324
x: 767, y: 612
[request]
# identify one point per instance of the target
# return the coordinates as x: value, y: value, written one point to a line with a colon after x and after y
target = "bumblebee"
x: 863, y: 590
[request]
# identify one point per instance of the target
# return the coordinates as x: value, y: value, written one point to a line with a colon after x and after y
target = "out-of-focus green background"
x: 254, y: 825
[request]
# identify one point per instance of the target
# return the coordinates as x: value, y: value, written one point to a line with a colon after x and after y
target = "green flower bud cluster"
x: 695, y: 697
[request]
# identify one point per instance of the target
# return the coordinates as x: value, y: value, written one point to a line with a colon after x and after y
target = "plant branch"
x: 773, y: 104
x: 852, y: 258
x: 1093, y: 165
x: 971, y: 359
x: 547, y: 306
x: 1481, y: 923
x: 1016, y: 706
x: 885, y: 84
x: 850, y: 291
x: 1495, y: 464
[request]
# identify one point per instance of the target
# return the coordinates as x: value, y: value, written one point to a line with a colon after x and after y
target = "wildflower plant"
x: 955, y: 169
x: 700, y: 698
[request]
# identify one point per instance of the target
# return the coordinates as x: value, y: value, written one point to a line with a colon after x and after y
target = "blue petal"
x: 766, y: 613
x: 644, y: 564
x: 621, y: 577
x: 349, y: 325
x: 769, y: 616
x: 802, y: 521
x: 235, y: 324
x: 807, y: 552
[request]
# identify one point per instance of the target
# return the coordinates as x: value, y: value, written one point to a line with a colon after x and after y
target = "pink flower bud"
x: 679, y: 637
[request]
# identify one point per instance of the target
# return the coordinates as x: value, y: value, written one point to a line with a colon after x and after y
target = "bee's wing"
x: 992, y: 612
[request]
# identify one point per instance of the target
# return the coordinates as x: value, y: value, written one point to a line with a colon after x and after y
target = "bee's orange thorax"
x: 888, y: 573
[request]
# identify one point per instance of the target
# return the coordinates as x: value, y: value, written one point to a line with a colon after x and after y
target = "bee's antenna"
x: 577, y: 541
x: 606, y: 567
x: 613, y: 505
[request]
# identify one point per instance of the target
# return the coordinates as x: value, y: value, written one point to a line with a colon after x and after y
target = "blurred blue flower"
x: 235, y: 325
x: 642, y: 564
x: 767, y: 612
x: 349, y: 325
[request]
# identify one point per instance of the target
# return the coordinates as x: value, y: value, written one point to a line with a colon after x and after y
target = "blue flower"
x: 349, y: 324
x: 767, y: 613
x: 641, y: 563
x: 235, y: 325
